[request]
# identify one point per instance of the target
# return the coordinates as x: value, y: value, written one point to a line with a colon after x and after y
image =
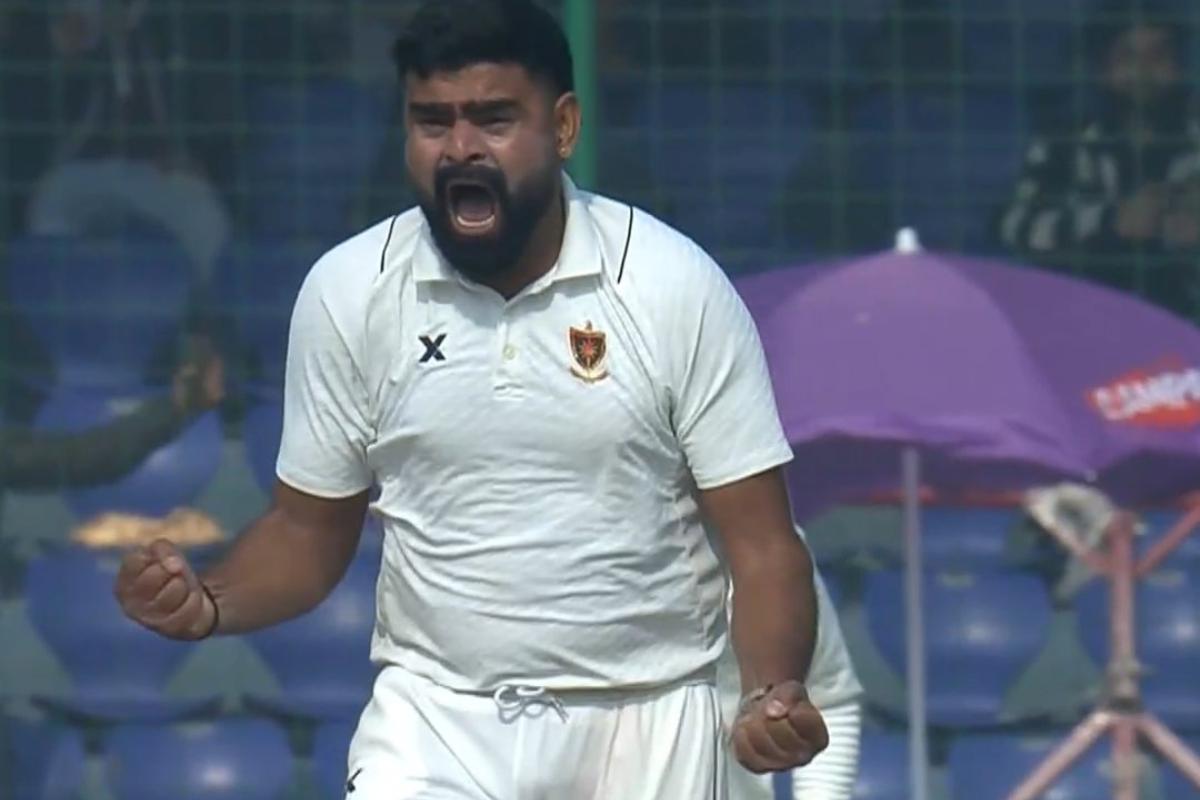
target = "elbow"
x: 786, y: 559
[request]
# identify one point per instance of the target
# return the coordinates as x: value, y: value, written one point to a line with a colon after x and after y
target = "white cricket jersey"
x: 538, y: 458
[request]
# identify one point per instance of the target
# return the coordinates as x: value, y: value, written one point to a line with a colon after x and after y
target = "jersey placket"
x: 506, y: 375
x: 506, y: 355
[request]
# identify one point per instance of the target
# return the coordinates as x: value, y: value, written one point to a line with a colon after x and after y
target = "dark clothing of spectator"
x: 1066, y: 210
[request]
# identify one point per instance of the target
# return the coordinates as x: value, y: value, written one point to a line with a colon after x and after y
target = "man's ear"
x: 568, y: 122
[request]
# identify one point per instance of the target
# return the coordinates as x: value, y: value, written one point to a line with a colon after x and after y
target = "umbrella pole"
x: 918, y: 745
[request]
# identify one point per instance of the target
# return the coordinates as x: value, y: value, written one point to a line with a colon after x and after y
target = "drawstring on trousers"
x: 516, y: 699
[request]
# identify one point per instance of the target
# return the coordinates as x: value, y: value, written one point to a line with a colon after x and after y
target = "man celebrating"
x: 567, y: 412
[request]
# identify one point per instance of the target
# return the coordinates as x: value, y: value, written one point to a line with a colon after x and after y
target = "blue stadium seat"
x: 261, y: 431
x: 989, y: 767
x: 818, y: 43
x: 717, y: 157
x: 226, y: 760
x: 941, y: 164
x: 1174, y: 784
x: 1168, y: 640
x: 982, y: 629
x: 172, y: 476
x: 119, y: 670
x: 311, y: 148
x: 322, y: 658
x: 45, y: 761
x: 966, y: 538
x: 254, y: 288
x: 102, y: 309
x: 883, y: 767
x: 331, y: 744
x: 1013, y: 41
x: 1158, y: 523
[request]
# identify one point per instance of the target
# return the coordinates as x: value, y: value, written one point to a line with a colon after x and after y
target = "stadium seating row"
x: 984, y: 629
x: 120, y: 671
x: 251, y: 759
x: 989, y: 766
x: 227, y: 759
x: 729, y: 162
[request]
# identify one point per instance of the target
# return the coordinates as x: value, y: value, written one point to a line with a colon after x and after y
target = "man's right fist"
x: 158, y: 589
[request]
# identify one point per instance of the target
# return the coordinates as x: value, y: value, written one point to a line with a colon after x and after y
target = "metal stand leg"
x: 1054, y: 765
x: 1125, y: 758
x: 1121, y: 709
x: 1171, y: 747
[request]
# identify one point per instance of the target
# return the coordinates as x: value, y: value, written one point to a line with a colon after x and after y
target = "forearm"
x: 774, y: 614
x: 278, y: 569
x: 34, y: 460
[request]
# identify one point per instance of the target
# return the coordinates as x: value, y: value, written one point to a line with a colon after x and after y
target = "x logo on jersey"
x: 433, y: 348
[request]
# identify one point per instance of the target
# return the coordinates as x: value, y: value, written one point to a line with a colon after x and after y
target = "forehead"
x: 473, y: 83
x: 1143, y: 38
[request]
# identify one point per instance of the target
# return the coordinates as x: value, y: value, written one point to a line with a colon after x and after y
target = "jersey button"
x: 510, y: 352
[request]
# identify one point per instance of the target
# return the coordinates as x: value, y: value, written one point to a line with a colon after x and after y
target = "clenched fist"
x: 779, y: 731
x: 158, y: 589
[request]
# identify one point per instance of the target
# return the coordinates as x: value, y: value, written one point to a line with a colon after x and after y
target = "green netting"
x: 772, y: 130
x: 782, y: 131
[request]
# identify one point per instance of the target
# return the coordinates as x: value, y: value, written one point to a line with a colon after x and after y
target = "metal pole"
x: 918, y: 745
x: 579, y: 18
x: 1123, y: 666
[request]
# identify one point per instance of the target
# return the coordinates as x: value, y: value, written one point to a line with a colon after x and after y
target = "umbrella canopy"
x: 1002, y: 377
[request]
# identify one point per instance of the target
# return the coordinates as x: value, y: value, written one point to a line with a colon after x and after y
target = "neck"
x: 540, y: 254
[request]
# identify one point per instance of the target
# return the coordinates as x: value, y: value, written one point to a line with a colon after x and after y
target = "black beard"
x: 517, y: 214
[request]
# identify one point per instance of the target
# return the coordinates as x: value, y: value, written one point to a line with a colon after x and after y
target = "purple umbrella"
x: 966, y: 374
x: 1002, y: 377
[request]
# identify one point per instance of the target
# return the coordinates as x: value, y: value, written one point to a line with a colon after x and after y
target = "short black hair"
x: 448, y: 35
x: 1113, y: 19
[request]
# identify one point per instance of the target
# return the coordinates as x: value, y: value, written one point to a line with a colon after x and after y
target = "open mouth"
x: 473, y: 207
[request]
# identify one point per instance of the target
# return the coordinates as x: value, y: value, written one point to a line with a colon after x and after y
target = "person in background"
x: 122, y: 156
x: 1118, y: 197
x: 34, y: 460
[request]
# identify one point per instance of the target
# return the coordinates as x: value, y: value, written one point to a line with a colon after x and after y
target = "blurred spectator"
x: 122, y: 156
x: 1118, y: 197
x: 40, y: 461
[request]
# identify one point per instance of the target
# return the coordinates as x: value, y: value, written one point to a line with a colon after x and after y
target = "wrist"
x: 216, y: 613
x: 752, y: 698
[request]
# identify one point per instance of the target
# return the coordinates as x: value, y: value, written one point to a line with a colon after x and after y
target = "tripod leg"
x: 1054, y: 765
x: 1171, y: 747
x: 1125, y: 759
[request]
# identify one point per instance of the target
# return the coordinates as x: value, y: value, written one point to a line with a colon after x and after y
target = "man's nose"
x: 464, y: 144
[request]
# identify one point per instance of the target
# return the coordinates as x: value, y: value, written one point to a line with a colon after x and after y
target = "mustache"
x: 489, y: 177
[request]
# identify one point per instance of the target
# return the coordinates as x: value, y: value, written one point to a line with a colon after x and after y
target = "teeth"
x: 473, y: 224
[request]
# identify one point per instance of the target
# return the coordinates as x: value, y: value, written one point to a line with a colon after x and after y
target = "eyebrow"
x: 470, y: 109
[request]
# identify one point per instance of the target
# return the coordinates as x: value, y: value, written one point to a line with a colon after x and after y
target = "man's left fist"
x: 779, y: 731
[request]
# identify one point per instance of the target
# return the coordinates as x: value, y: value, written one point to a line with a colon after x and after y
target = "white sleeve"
x: 723, y: 406
x: 832, y: 774
x: 325, y: 423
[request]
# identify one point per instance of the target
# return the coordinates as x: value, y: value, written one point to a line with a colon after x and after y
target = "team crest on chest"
x: 589, y: 351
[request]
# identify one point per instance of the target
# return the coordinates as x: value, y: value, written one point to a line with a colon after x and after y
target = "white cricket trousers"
x: 417, y: 740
